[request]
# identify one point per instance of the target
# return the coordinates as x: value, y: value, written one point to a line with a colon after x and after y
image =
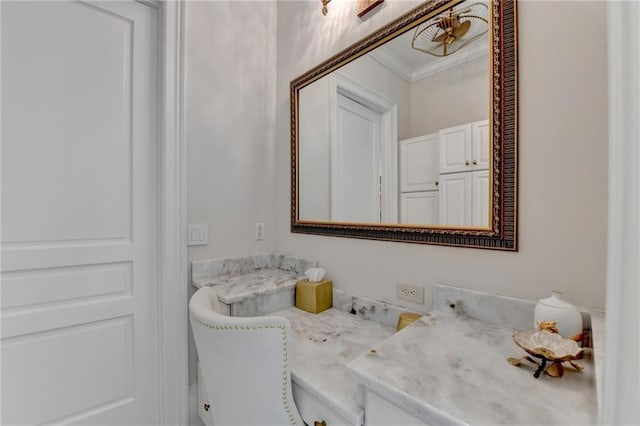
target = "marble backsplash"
x: 506, y: 311
x: 211, y: 268
x: 365, y: 308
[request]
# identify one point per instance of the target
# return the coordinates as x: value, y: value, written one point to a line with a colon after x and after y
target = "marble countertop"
x: 447, y: 368
x: 323, y: 345
x: 234, y: 287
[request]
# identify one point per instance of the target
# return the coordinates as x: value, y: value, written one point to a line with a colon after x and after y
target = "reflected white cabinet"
x: 480, y: 142
x: 419, y: 207
x: 455, y: 199
x: 455, y: 149
x: 480, y: 198
x: 419, y: 164
x: 464, y: 148
x: 464, y: 199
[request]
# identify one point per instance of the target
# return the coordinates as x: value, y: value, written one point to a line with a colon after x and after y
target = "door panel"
x: 419, y: 164
x: 355, y: 167
x: 455, y: 199
x: 481, y: 144
x: 79, y: 260
x: 419, y: 207
x: 455, y: 149
x: 480, y: 198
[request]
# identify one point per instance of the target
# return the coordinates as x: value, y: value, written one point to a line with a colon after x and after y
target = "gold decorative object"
x: 452, y: 30
x: 549, y: 326
x: 324, y: 6
x: 548, y: 347
x: 314, y: 297
x: 365, y: 6
x: 407, y: 318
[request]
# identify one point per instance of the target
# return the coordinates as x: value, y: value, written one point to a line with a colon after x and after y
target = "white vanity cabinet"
x: 464, y: 148
x: 380, y: 412
x: 464, y: 199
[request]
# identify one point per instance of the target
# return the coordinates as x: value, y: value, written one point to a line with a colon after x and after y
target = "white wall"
x: 230, y: 81
x: 562, y: 161
x: 449, y: 98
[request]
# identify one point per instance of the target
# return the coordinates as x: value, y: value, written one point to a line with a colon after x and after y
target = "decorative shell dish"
x: 551, y: 346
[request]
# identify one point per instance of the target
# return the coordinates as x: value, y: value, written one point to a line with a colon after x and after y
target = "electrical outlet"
x: 259, y: 231
x: 410, y: 292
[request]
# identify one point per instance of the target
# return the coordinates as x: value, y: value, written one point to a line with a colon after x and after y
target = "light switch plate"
x: 198, y: 235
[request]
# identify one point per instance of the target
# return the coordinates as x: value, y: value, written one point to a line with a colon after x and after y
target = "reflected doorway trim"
x: 343, y: 85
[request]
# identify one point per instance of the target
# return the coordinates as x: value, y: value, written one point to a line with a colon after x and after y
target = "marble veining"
x: 365, y: 308
x: 264, y: 304
x: 448, y: 368
x: 239, y: 279
x: 322, y: 346
x: 510, y: 312
x: 516, y: 313
x: 212, y: 268
x: 234, y: 288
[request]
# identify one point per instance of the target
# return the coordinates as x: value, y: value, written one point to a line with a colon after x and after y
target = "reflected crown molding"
x: 393, y: 62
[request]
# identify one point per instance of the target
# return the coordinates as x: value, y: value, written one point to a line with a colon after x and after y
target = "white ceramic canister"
x: 566, y: 316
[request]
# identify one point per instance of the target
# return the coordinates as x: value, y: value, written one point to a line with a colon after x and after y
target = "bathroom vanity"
x: 349, y: 366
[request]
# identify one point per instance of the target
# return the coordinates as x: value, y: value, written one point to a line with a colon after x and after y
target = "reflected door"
x: 355, y: 164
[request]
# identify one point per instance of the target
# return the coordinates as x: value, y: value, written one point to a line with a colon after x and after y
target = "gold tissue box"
x: 314, y: 297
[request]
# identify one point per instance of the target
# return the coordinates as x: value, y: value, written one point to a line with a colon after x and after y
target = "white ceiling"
x: 412, y: 64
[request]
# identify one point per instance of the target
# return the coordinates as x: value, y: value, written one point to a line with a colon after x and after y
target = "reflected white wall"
x: 450, y: 98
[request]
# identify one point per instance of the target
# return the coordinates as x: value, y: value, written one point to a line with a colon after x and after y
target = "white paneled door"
x: 79, y: 225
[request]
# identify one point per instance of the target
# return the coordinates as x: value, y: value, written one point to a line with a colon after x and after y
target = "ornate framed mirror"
x: 410, y: 134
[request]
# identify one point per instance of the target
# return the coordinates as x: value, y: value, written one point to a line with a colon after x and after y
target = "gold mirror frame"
x: 502, y: 233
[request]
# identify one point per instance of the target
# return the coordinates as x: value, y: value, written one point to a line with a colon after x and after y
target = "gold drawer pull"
x: 320, y: 423
x: 206, y: 407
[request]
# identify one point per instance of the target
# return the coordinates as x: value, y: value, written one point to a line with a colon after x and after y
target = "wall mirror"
x: 410, y: 134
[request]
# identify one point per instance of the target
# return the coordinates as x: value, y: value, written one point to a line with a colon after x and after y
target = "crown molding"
x: 386, y: 57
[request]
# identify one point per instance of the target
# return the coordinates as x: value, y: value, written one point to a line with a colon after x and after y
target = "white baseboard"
x: 194, y: 418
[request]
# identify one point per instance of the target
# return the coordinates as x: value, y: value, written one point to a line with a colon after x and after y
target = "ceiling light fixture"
x: 452, y: 30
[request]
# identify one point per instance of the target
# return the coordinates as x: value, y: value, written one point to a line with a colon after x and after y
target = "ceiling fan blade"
x: 439, y: 38
x: 462, y: 30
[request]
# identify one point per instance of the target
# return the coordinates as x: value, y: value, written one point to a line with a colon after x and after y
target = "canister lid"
x: 556, y: 301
